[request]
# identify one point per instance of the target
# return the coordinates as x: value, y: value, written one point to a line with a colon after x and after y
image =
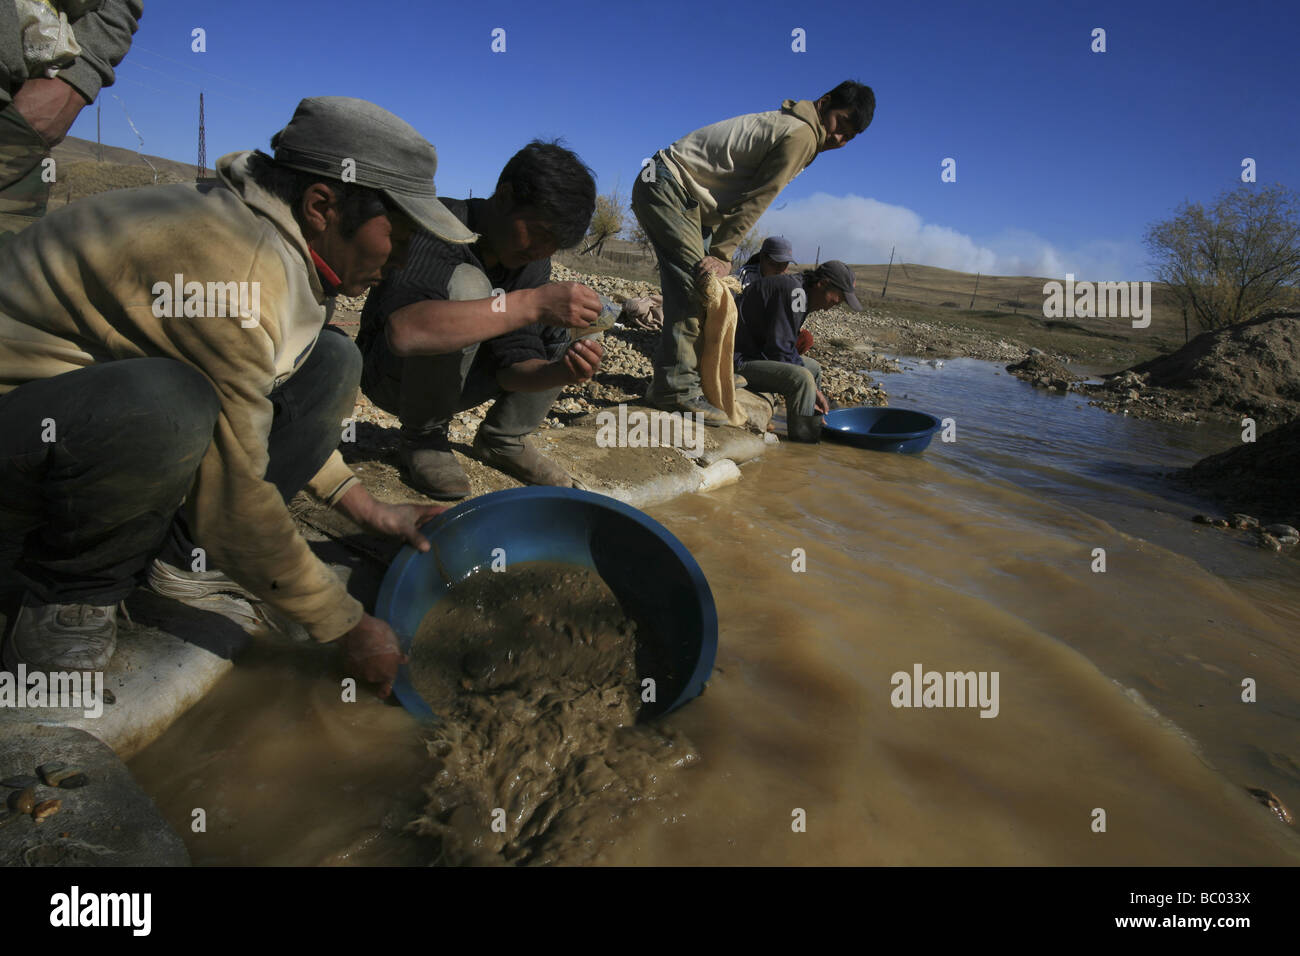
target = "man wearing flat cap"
x: 168, y: 383
x: 771, y: 317
x: 772, y: 259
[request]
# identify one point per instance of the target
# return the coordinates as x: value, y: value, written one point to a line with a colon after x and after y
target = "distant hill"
x: 926, y: 286
x: 79, y: 174
x: 74, y: 150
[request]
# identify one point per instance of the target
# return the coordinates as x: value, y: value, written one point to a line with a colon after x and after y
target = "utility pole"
x: 887, y: 271
x: 819, y: 257
x: 973, y: 291
x: 99, y: 143
x: 203, y: 143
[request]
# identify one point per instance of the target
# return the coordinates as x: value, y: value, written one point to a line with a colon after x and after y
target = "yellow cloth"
x: 718, y: 345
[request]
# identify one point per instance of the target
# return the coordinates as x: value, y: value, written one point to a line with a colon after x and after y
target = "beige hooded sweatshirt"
x: 84, y: 285
x: 735, y: 168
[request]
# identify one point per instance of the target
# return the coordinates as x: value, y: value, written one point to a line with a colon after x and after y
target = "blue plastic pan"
x: 881, y: 429
x: 654, y: 577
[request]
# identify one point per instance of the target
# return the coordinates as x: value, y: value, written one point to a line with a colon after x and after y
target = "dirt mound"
x: 1262, y: 476
x: 1043, y: 370
x: 1249, y: 369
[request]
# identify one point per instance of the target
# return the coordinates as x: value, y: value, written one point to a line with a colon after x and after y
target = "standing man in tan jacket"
x: 168, y: 344
x: 699, y: 197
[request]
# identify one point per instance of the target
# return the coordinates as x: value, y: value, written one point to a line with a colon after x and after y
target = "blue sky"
x: 1063, y: 156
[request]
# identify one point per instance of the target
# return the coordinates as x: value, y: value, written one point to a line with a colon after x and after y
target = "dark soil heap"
x: 1251, y: 369
x: 1262, y: 477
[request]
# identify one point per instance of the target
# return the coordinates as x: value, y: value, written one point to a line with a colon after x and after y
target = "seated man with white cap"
x: 168, y: 383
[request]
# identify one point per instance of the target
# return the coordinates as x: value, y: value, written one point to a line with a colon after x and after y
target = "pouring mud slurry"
x: 538, y: 759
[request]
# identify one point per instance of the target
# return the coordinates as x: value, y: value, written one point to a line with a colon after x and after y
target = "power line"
x: 136, y: 47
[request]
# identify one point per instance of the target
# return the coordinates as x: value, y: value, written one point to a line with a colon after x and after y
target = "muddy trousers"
x: 24, y: 189
x: 95, y: 464
x: 424, y: 391
x: 672, y: 221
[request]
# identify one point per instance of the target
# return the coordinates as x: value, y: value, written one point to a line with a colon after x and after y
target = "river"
x: 1120, y: 734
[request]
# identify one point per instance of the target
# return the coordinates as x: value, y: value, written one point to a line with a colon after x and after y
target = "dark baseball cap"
x: 331, y: 134
x: 840, y: 276
x: 777, y: 248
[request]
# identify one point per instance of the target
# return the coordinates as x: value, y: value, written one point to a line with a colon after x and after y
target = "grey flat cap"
x: 334, y: 135
x: 778, y: 249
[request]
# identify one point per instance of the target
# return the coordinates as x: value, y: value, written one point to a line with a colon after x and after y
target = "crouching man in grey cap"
x: 772, y: 311
x: 167, y: 384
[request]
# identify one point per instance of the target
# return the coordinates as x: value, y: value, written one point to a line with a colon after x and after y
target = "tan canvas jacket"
x: 78, y: 288
x: 735, y: 168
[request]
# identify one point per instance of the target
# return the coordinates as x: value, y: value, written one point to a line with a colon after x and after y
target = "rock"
x: 1288, y: 541
x: 1219, y: 523
x: 46, y: 809
x: 1282, y: 531
x: 1203, y: 519
x: 1244, y: 522
x: 1269, y: 543
x: 1270, y: 800
x: 22, y: 801
x: 20, y: 782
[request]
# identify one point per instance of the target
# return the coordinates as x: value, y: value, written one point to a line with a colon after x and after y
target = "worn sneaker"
x: 61, y: 637
x: 214, y: 591
x: 530, y: 466
x: 432, y: 466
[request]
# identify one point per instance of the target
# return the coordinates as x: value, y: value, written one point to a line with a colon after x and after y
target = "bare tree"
x: 636, y: 233
x: 748, y: 245
x: 1234, y: 261
x: 606, y: 223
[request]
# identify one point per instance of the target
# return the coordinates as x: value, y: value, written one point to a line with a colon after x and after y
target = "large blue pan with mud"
x: 881, y: 429
x: 656, y: 580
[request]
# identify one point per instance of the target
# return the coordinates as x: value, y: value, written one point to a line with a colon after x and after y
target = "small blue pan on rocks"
x: 881, y: 429
x: 654, y: 577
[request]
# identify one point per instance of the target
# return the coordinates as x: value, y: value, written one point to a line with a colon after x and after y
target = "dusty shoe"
x: 215, y: 592
x: 433, y: 467
x: 699, y: 405
x: 61, y: 637
x: 530, y: 466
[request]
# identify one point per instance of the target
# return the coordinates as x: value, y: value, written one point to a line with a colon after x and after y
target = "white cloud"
x: 860, y: 230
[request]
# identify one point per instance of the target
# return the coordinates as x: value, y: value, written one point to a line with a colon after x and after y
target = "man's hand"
x: 716, y: 266
x: 581, y: 361
x: 567, y: 305
x: 820, y: 405
x: 371, y: 653
x: 50, y: 106
x: 388, y: 521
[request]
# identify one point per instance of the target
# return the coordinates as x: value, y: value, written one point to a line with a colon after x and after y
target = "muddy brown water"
x: 1119, y: 692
